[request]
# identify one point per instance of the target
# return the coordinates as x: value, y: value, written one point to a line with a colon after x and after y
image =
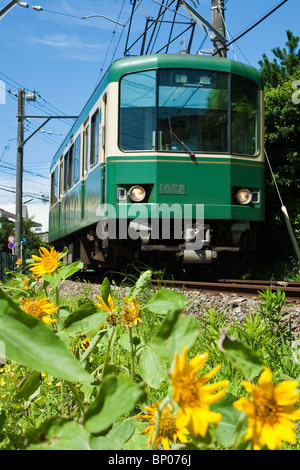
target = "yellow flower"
x: 46, y: 263
x: 270, y: 411
x: 193, y: 395
x: 85, y: 344
x: 167, y: 427
x: 111, y: 304
x: 26, y: 282
x: 19, y: 261
x: 40, y: 308
x: 130, y: 313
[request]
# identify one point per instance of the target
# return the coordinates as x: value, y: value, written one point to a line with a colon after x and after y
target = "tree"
x: 33, y: 242
x: 282, y: 142
x: 276, y: 73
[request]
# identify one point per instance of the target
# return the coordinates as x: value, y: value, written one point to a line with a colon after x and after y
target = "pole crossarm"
x: 42, y: 125
x: 209, y: 29
x: 8, y: 7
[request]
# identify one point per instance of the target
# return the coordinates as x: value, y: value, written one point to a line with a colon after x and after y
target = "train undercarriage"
x: 204, y: 244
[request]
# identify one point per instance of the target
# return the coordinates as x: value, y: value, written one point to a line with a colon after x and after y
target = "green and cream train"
x: 165, y: 162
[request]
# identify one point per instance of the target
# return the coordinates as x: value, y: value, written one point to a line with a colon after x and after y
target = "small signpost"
x: 11, y: 242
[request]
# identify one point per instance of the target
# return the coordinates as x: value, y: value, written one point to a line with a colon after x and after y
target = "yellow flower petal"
x: 270, y: 411
x: 193, y: 395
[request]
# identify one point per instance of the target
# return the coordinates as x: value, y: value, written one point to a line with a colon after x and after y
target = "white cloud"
x: 72, y: 46
x: 65, y: 41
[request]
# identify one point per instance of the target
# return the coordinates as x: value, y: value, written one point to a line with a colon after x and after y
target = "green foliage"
x: 58, y: 395
x: 242, y: 357
x: 271, y: 309
x: 30, y: 342
x: 282, y: 141
x: 33, y: 243
x: 289, y: 62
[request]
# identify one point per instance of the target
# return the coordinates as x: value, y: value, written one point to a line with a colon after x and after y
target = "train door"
x: 103, y: 146
x: 85, y: 166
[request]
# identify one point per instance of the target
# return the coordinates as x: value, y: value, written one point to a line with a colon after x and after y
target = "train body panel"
x: 160, y: 135
x: 177, y: 180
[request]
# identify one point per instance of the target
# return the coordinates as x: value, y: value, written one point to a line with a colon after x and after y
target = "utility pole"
x: 22, y: 96
x: 218, y: 22
x: 19, y: 174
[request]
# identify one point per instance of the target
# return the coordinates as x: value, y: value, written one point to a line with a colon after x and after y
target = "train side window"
x: 244, y: 116
x: 95, y: 135
x: 85, y: 164
x: 66, y: 171
x: 137, y: 111
x: 61, y: 173
x: 54, y: 186
x: 71, y: 167
x: 77, y: 160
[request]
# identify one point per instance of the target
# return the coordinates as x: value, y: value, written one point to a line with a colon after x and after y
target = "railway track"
x: 247, y: 288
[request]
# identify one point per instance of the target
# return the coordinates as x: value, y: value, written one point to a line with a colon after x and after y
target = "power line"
x: 253, y: 25
x: 25, y: 193
x: 39, y: 8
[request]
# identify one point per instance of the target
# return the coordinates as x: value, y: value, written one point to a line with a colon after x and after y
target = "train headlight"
x: 136, y: 194
x: 244, y: 196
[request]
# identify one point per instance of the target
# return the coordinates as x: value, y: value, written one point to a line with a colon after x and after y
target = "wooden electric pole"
x: 218, y: 22
x: 19, y: 173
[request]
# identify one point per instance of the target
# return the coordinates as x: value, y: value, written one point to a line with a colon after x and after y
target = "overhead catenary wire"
x: 252, y: 26
x: 284, y: 212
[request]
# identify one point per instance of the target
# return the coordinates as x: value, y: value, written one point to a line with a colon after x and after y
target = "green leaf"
x: 2, y: 417
x: 231, y: 423
x: 141, y: 284
x: 117, y: 396
x: 59, y: 434
x: 105, y: 290
x: 177, y: 331
x: 52, y: 278
x: 63, y: 253
x: 152, y: 367
x: 241, y: 356
x: 29, y: 341
x: 116, y: 437
x: 165, y: 300
x: 62, y: 273
x: 124, y: 342
x: 138, y: 441
x: 29, y: 385
x: 85, y: 318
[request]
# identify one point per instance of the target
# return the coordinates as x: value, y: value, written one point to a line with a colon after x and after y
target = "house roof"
x: 4, y: 213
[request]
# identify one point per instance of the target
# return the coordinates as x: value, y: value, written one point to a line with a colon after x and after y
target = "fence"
x: 8, y: 263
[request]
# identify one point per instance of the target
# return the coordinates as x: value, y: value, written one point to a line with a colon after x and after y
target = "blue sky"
x: 62, y: 57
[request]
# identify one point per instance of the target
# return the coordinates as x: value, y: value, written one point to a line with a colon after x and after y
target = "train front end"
x: 185, y: 158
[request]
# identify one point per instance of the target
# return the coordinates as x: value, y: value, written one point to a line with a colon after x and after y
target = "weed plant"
x: 132, y: 369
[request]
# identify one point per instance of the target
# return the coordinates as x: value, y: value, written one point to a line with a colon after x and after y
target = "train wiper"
x: 189, y: 151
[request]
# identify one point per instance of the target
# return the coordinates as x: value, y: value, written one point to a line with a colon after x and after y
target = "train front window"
x: 138, y: 111
x: 244, y: 116
x: 193, y: 109
x: 182, y: 110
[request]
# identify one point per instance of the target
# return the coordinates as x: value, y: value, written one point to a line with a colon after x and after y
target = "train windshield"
x: 197, y: 110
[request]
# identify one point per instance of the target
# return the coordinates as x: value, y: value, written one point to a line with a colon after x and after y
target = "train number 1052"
x: 169, y: 188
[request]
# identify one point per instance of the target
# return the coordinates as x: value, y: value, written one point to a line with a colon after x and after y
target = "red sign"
x: 11, y: 239
x: 11, y: 245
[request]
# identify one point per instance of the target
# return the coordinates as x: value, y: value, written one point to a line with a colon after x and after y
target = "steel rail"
x: 240, y: 287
